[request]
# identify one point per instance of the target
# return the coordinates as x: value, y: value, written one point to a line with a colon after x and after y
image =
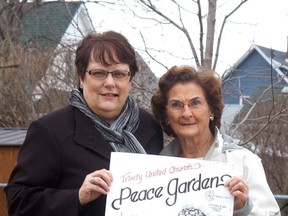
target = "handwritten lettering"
x: 175, y: 187
x: 155, y: 173
x: 189, y: 166
x: 135, y: 196
x: 131, y: 177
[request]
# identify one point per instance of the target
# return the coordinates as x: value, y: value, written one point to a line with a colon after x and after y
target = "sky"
x: 261, y: 22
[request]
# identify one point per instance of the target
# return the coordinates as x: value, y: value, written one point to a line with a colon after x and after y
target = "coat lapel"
x: 144, y: 133
x: 87, y: 136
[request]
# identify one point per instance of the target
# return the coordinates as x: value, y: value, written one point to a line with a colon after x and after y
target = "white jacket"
x: 247, y: 166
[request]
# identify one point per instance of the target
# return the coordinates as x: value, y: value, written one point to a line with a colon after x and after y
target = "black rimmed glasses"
x: 117, y: 75
x: 178, y: 106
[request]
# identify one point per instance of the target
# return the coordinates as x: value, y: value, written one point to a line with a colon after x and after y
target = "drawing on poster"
x: 191, y: 212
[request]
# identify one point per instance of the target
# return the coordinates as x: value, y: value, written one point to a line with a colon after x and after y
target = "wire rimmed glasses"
x: 178, y: 106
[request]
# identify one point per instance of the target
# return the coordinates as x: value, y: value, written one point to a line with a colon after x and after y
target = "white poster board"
x: 151, y: 185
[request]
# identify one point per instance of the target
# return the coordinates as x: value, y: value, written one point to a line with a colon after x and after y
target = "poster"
x: 151, y: 185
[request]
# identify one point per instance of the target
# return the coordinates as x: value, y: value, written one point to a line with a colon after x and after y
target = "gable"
x: 44, y: 26
x: 276, y: 55
x: 252, y: 78
x: 251, y: 73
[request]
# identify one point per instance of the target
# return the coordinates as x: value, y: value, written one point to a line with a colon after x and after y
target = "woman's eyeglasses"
x: 177, y: 106
x: 117, y: 75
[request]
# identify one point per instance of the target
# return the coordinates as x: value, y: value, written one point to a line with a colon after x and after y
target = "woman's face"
x: 106, y: 97
x: 189, y: 121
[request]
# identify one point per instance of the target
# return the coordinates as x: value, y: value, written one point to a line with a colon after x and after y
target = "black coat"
x: 60, y: 149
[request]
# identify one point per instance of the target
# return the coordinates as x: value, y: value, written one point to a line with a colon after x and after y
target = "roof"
x: 279, y: 61
x: 12, y: 136
x: 44, y: 26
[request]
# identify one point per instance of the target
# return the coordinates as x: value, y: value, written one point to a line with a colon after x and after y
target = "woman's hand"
x: 239, y: 189
x: 94, y: 185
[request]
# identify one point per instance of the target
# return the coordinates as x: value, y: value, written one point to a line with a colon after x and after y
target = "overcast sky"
x: 262, y: 22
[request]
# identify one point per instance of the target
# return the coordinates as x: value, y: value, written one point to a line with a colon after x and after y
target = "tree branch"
x: 221, y: 32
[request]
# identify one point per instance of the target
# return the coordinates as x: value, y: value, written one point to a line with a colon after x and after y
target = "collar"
x: 221, y: 143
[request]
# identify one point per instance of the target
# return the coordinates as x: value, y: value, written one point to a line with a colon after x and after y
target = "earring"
x: 211, y: 118
x: 167, y: 122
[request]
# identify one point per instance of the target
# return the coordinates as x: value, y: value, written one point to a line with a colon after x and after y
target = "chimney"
x: 286, y: 57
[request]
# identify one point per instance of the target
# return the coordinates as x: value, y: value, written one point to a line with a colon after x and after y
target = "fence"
x: 3, y: 204
x: 8, y: 157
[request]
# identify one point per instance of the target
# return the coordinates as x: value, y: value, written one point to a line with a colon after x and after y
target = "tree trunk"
x: 211, y: 20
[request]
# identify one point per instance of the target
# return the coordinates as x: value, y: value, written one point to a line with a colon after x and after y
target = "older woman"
x: 192, y: 104
x: 62, y: 167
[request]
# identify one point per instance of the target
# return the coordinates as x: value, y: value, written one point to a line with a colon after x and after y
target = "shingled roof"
x: 44, y: 26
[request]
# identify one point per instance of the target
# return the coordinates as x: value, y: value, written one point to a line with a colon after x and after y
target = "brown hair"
x: 207, y: 79
x: 99, y: 45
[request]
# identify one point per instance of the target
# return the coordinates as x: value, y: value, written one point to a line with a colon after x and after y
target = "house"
x: 42, y: 53
x: 258, y: 69
x: 60, y: 26
x: 54, y: 24
x: 55, y: 27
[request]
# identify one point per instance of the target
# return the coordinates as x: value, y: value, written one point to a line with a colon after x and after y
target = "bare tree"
x: 262, y: 124
x: 29, y: 88
x: 26, y: 75
x: 36, y: 81
x: 181, y: 15
x: 24, y: 95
